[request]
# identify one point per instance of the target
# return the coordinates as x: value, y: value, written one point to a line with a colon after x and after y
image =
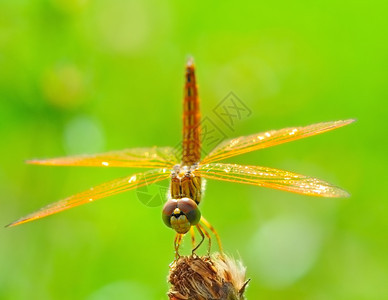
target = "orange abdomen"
x: 191, y: 118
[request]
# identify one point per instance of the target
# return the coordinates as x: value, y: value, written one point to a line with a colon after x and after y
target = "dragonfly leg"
x: 208, y: 237
x: 192, y: 233
x: 177, y: 243
x: 211, y: 228
x: 202, y: 238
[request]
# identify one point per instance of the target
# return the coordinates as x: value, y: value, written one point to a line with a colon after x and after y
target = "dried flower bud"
x: 207, y: 278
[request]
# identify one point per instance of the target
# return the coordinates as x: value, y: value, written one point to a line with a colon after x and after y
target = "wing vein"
x: 113, y: 187
x: 267, y: 139
x: 271, y: 178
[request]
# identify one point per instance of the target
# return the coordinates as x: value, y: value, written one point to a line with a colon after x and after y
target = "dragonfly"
x: 187, y: 174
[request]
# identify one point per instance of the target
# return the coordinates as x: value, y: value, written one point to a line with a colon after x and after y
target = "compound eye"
x: 190, y: 209
x: 168, y: 210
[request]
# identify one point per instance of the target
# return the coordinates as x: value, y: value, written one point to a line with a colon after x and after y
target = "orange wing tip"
x: 348, y: 121
x: 11, y: 224
x: 340, y: 193
x: 23, y: 220
x: 47, y: 162
x: 16, y: 223
x: 36, y: 161
x: 340, y: 123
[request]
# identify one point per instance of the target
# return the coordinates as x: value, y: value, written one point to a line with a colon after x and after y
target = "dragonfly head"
x: 181, y: 214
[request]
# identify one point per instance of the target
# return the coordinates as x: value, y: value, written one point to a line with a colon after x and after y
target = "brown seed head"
x: 207, y: 278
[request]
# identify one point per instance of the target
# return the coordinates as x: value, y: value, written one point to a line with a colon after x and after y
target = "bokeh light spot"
x: 83, y: 135
x: 123, y: 26
x: 64, y: 86
x: 285, y: 249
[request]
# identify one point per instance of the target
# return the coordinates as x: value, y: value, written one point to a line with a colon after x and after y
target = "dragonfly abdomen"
x: 191, y: 118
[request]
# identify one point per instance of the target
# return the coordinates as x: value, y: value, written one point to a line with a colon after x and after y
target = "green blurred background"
x: 83, y: 76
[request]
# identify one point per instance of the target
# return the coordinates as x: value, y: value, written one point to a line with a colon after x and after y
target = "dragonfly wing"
x: 154, y: 157
x: 101, y: 191
x: 271, y: 178
x: 267, y: 139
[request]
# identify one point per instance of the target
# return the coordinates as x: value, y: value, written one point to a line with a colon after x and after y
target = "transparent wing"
x: 271, y: 178
x: 101, y: 191
x: 267, y: 139
x: 155, y: 157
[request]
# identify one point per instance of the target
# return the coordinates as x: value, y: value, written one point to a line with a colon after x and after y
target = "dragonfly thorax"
x: 185, y: 184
